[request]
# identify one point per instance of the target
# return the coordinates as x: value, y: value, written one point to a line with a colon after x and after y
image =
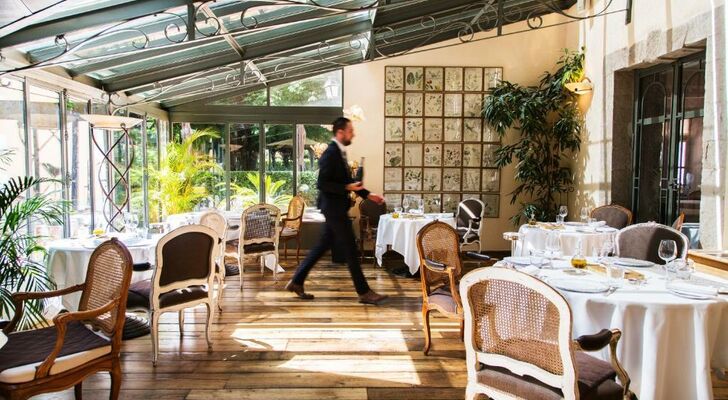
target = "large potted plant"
x: 549, y: 123
x: 22, y: 267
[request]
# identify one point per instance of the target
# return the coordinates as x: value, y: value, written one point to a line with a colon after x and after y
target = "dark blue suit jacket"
x: 333, y: 177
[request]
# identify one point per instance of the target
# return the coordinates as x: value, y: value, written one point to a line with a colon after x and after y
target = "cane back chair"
x: 216, y: 221
x: 369, y: 214
x: 642, y: 241
x: 518, y: 343
x: 614, y: 215
x: 291, y: 225
x: 259, y: 235
x: 63, y: 355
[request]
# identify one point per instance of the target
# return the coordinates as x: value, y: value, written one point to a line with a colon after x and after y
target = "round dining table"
x: 400, y: 235
x: 669, y: 342
x: 68, y: 262
x: 534, y: 237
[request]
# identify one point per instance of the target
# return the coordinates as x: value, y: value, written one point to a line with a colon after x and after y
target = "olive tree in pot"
x: 22, y: 266
x: 549, y: 123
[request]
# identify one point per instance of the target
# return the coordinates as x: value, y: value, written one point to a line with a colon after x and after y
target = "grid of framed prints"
x: 436, y: 145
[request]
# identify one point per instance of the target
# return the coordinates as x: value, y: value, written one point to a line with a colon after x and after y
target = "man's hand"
x: 353, y: 187
x: 376, y: 198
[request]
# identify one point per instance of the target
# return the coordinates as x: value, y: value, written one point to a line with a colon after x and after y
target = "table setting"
x: 659, y: 308
x: 398, y: 230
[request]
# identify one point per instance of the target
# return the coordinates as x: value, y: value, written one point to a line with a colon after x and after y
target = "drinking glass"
x: 615, y: 274
x: 667, y: 251
x: 421, y: 205
x: 130, y: 221
x: 584, y: 214
x: 606, y: 250
x: 686, y: 270
x: 553, y: 244
x: 405, y: 204
x: 563, y: 212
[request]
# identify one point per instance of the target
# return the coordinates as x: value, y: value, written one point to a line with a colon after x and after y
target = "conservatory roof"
x: 178, y: 51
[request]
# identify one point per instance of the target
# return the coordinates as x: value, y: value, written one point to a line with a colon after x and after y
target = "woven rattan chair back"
x: 614, y: 215
x: 107, y: 279
x: 258, y: 224
x: 295, y: 213
x: 372, y: 212
x: 642, y: 241
x: 439, y: 242
x: 468, y: 211
x: 518, y: 322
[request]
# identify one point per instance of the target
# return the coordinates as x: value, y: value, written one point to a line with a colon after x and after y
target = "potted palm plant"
x: 22, y: 257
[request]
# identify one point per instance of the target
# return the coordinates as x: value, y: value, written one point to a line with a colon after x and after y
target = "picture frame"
x: 413, y: 78
x: 492, y: 77
x: 453, y: 105
x: 471, y: 155
x: 433, y: 154
x: 413, y: 129
x: 413, y: 154
x: 393, y: 156
x: 451, y: 179
x: 453, y: 129
x: 394, y: 78
x: 452, y: 155
x: 473, y: 79
x: 491, y: 180
x: 413, y: 104
x: 450, y: 202
x: 489, y: 155
x: 392, y: 200
x: 434, y: 78
x: 471, y: 129
x: 432, y: 179
x: 393, y: 104
x: 432, y: 202
x: 433, y: 105
x: 492, y: 205
x: 471, y: 180
x: 490, y: 135
x: 453, y: 79
x: 393, y: 129
x: 433, y: 129
x: 393, y: 179
x: 472, y: 104
x: 413, y: 179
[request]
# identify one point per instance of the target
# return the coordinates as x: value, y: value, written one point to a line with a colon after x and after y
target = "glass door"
x: 280, y: 163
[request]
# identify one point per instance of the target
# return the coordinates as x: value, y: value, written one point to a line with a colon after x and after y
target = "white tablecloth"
x: 68, y: 261
x: 534, y: 238
x: 668, y: 344
x: 401, y: 233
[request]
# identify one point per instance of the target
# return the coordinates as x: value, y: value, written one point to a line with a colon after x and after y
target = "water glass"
x: 406, y: 204
x: 553, y: 244
x: 684, y: 269
x: 559, y: 220
x: 421, y: 205
x: 563, y: 212
x: 615, y: 274
x: 667, y: 251
x: 584, y: 214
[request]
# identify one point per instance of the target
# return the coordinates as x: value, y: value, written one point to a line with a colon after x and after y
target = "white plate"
x: 607, y: 229
x: 633, y: 262
x: 579, y: 285
x: 518, y: 260
x: 689, y: 295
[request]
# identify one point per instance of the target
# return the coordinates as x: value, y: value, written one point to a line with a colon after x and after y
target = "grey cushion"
x: 442, y: 298
x: 642, y: 241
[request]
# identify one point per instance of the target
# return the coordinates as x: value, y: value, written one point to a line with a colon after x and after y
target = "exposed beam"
x: 105, y: 14
x: 293, y: 40
x: 306, y: 115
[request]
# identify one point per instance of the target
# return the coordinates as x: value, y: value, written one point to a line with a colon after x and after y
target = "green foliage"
x: 247, y: 193
x: 183, y: 178
x: 20, y: 252
x: 549, y: 124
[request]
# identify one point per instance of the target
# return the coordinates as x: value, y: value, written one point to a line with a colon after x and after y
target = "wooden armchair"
x: 518, y: 343
x: 259, y: 234
x: 63, y: 355
x: 291, y: 225
x: 679, y: 221
x: 369, y: 214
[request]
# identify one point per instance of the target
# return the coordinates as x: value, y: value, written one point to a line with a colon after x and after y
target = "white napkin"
x: 691, y: 288
x: 531, y: 270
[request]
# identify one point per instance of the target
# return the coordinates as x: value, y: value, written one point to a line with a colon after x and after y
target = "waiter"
x: 334, y: 184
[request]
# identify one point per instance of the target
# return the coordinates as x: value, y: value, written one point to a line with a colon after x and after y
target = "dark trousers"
x: 338, y: 232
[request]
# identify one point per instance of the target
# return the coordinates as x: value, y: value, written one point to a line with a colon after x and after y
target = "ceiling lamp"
x: 582, y: 87
x: 110, y: 122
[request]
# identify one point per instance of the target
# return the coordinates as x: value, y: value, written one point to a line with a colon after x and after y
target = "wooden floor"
x: 270, y: 345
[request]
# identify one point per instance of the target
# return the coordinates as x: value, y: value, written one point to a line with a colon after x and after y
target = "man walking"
x: 334, y: 184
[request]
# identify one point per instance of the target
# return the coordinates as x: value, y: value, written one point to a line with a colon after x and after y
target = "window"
x: 321, y: 90
x: 12, y: 130
x: 254, y: 98
x: 245, y: 182
x: 78, y: 164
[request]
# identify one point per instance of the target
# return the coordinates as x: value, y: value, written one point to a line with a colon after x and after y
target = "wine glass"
x: 405, y: 204
x: 553, y: 244
x: 563, y: 212
x: 421, y: 205
x: 130, y: 221
x: 584, y: 214
x: 667, y: 252
x: 606, y: 250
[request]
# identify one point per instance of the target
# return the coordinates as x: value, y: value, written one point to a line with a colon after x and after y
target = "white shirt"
x: 341, y: 146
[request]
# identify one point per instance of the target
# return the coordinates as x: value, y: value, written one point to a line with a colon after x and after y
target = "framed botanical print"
x: 433, y: 129
x: 413, y: 104
x: 489, y: 155
x: 393, y: 154
x: 471, y: 129
x: 434, y: 79
x: 413, y: 129
x: 453, y: 79
x: 413, y: 79
x: 453, y: 129
x: 453, y: 156
x: 393, y: 129
x: 393, y: 179
x: 413, y: 179
x: 471, y: 155
x: 451, y: 179
x: 491, y: 180
x: 450, y: 202
x: 493, y: 76
x: 413, y: 154
x: 473, y: 81
x: 433, y: 104
x: 433, y: 154
x: 472, y: 104
x: 412, y: 198
x: 432, y: 179
x: 393, y: 104
x: 471, y: 179
x: 432, y: 203
x: 392, y: 200
x: 489, y: 134
x: 492, y: 205
x: 394, y: 78
x: 453, y: 106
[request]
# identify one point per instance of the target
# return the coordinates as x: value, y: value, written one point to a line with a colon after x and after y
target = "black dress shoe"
x: 372, y: 297
x: 298, y: 290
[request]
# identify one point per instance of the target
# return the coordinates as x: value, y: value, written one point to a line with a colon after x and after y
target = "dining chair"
x: 679, y: 221
x: 79, y: 343
x: 642, y: 241
x: 183, y: 278
x: 440, y: 271
x: 518, y: 343
x: 614, y: 215
x: 291, y: 225
x: 259, y: 233
x: 216, y: 221
x: 369, y: 214
x: 468, y: 219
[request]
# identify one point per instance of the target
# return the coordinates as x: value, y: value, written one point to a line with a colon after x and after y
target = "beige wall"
x: 524, y: 57
x: 658, y: 27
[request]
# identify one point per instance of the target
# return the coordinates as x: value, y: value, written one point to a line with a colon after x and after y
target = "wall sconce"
x: 583, y: 87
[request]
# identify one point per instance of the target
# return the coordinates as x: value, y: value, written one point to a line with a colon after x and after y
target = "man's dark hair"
x: 339, y: 124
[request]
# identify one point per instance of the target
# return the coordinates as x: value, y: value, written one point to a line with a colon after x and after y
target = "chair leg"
x: 210, y: 311
x: 78, y: 391
x: 262, y: 265
x: 470, y: 393
x: 241, y: 264
x: 275, y: 266
x: 181, y: 314
x: 115, y: 379
x: 155, y: 336
x: 426, y: 328
x: 462, y: 330
x: 285, y: 249
x: 220, y: 286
